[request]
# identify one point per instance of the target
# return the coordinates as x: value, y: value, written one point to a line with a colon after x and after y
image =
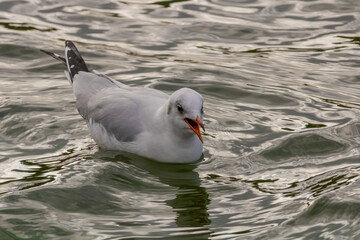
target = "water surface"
x: 281, y: 86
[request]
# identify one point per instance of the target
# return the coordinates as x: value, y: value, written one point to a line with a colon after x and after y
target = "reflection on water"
x: 281, y: 88
x: 191, y: 201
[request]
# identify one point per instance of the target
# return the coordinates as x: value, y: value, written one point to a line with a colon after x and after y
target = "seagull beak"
x: 195, y: 126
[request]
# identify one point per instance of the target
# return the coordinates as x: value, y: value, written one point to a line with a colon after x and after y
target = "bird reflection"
x: 190, y: 205
x: 191, y: 201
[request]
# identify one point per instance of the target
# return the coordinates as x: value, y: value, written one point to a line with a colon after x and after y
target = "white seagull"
x: 139, y: 120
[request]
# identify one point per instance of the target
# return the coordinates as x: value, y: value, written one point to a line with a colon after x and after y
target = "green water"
x: 281, y: 86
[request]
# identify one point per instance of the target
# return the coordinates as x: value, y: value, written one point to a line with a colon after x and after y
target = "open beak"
x: 195, y: 126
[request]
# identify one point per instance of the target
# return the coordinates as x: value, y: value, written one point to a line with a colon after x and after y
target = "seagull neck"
x: 164, y: 120
x: 161, y: 115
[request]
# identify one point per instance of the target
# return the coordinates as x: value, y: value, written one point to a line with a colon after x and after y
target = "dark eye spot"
x: 180, y: 108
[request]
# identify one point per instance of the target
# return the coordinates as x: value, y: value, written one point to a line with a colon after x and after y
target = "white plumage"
x: 139, y: 120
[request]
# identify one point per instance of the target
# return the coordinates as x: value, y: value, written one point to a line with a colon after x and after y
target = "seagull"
x: 143, y: 121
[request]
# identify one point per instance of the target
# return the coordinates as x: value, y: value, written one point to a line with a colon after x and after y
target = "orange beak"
x: 195, y: 126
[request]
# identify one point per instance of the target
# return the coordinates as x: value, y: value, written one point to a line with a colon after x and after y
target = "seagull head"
x: 185, y: 112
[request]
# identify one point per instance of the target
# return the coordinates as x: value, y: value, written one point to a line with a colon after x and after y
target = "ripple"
x: 303, y: 146
x: 167, y: 4
x: 280, y: 83
x: 24, y: 27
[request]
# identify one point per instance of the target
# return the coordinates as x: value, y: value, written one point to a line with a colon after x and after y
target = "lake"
x: 281, y: 83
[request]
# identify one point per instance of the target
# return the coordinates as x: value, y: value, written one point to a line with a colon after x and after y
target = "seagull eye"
x: 180, y: 108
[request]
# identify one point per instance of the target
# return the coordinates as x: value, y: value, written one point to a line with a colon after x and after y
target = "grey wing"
x: 116, y: 106
x: 86, y: 85
x: 118, y: 115
x: 119, y: 84
x: 90, y: 87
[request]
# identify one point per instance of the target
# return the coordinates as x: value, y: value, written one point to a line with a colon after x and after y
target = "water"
x: 281, y: 86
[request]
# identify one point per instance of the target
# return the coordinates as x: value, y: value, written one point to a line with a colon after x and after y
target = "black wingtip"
x: 73, y: 60
x: 75, y: 63
x: 54, y: 55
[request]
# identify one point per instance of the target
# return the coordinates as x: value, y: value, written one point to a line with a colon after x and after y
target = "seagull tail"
x: 56, y: 56
x: 73, y: 60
